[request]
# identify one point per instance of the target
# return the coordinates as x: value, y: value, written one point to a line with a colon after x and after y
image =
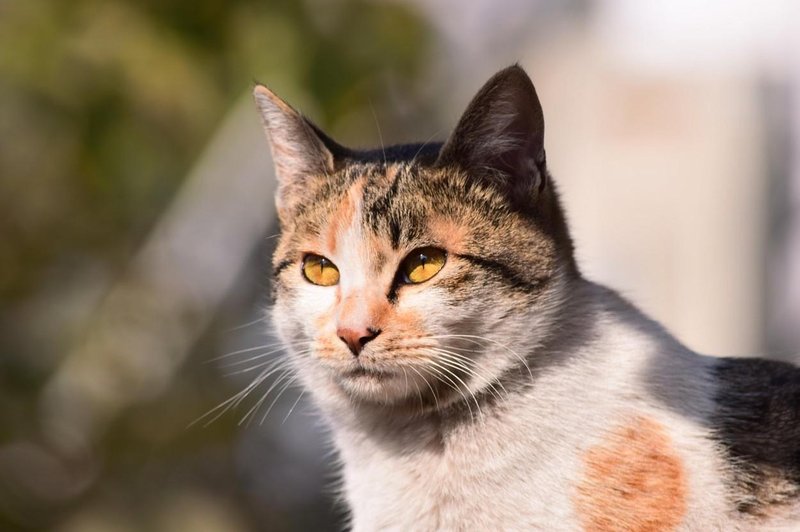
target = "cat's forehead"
x: 397, y: 206
x: 385, y: 210
x: 384, y: 200
x: 411, y: 206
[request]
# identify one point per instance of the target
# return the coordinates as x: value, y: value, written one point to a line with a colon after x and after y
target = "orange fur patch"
x: 634, y: 482
x: 391, y: 173
x: 448, y: 234
x: 370, y: 309
x: 380, y: 251
x: 343, y: 215
x: 410, y: 323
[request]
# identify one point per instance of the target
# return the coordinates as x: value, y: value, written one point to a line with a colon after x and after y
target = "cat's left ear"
x: 500, y: 137
x: 300, y: 150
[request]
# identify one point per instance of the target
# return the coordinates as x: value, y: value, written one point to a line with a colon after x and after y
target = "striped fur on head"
x: 484, y: 197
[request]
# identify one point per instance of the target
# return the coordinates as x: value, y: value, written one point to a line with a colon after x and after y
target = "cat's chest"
x: 488, y: 477
x: 524, y: 473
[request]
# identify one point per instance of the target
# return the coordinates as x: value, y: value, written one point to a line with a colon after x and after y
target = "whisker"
x: 474, y: 338
x: 302, y: 392
x: 236, y: 399
x: 251, y: 412
x: 441, y: 362
x: 251, y: 359
x: 465, y: 363
x: 274, y: 401
x: 271, y: 363
x: 475, y: 366
x: 248, y: 324
x: 419, y: 392
x: 445, y: 358
x: 433, y: 393
x: 230, y: 402
x: 378, y: 127
x: 265, y: 346
x: 445, y: 373
x: 263, y: 377
x: 422, y: 146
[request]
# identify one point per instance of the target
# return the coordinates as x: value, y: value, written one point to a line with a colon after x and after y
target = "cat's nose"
x: 357, y: 338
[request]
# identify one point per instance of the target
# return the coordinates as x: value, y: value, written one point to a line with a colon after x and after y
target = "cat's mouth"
x: 362, y: 381
x: 362, y: 371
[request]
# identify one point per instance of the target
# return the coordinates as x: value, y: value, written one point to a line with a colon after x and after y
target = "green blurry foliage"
x: 105, y: 104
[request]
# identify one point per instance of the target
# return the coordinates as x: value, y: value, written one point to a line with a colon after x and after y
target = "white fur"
x: 516, y: 466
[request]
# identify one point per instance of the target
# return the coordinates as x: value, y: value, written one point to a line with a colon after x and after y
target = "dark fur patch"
x: 395, y: 232
x: 502, y: 271
x: 282, y: 265
x: 758, y: 421
x: 422, y: 153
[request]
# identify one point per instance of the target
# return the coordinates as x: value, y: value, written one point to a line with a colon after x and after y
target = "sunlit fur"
x: 506, y: 392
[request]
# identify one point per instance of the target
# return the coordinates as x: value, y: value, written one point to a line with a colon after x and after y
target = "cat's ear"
x: 500, y: 137
x: 300, y: 150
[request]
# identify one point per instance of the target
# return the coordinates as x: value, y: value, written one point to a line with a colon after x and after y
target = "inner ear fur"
x: 500, y: 136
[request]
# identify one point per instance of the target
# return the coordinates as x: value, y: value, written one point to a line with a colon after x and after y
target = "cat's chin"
x: 370, y: 385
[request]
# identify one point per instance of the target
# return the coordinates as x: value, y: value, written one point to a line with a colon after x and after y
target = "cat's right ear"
x: 300, y: 150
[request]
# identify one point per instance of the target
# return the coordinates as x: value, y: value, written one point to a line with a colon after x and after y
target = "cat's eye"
x: 422, y: 264
x: 319, y: 270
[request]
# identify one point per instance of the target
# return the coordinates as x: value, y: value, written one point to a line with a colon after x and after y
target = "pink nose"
x: 356, y: 338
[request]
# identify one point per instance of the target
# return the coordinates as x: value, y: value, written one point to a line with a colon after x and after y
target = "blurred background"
x: 136, y: 218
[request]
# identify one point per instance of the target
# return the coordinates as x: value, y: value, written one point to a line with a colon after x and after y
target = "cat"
x: 429, y: 298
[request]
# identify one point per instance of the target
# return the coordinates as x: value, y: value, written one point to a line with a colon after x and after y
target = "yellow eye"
x: 319, y: 270
x: 422, y: 264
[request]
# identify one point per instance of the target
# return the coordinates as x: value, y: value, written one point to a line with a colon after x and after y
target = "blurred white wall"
x: 657, y: 137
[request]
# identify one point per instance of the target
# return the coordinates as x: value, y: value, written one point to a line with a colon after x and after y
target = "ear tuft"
x: 300, y: 151
x: 500, y: 136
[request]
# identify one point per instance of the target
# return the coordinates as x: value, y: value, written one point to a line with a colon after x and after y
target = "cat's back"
x: 757, y: 422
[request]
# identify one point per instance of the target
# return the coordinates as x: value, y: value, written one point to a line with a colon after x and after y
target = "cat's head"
x: 421, y: 274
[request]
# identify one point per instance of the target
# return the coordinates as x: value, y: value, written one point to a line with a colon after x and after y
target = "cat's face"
x: 411, y: 281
